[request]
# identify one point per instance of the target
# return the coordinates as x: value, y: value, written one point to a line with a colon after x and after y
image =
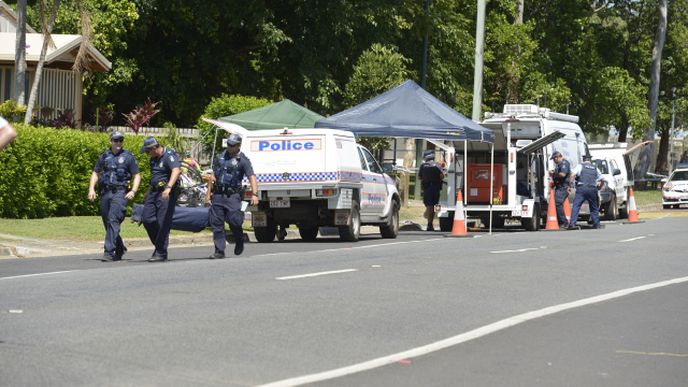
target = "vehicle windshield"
x: 679, y: 175
x: 602, y: 166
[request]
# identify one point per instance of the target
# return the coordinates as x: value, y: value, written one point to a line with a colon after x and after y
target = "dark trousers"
x: 560, y: 195
x: 583, y: 194
x: 113, y: 208
x: 225, y: 208
x: 157, y: 219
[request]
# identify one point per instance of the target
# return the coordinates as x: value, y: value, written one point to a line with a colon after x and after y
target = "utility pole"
x: 478, y: 72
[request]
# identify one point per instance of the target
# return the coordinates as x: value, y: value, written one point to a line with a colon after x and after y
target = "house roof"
x: 8, y: 13
x: 64, y: 52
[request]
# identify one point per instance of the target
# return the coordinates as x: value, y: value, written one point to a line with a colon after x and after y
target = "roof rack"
x: 530, y: 110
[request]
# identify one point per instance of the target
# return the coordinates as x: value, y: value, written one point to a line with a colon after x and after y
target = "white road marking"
x: 37, y: 274
x: 467, y: 336
x: 632, y: 239
x: 654, y: 353
x: 381, y: 245
x: 517, y: 250
x: 315, y: 274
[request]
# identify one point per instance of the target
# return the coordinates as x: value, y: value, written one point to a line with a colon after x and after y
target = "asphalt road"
x: 289, y: 310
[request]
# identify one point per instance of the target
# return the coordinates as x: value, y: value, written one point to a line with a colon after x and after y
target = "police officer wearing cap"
x: 113, y: 171
x: 587, y: 178
x: 560, y: 177
x: 225, y: 195
x: 161, y: 198
x: 431, y: 176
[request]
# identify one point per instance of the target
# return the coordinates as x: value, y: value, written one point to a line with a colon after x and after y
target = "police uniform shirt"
x: 578, y: 171
x: 161, y: 167
x: 565, y: 168
x: 230, y: 170
x: 430, y: 174
x: 116, y: 169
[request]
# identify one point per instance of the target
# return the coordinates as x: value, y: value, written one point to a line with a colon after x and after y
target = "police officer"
x: 161, y: 198
x: 587, y: 178
x: 225, y: 195
x: 113, y: 171
x: 431, y: 176
x: 7, y: 133
x: 560, y: 177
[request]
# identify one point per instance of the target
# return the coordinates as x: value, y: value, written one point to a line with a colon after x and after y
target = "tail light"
x: 325, y: 192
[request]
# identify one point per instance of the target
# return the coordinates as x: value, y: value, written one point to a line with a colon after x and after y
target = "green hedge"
x: 45, y: 171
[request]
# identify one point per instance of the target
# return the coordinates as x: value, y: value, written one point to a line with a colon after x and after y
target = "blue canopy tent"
x: 407, y: 111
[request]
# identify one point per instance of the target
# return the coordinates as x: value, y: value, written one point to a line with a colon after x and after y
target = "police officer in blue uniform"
x: 560, y: 177
x: 431, y: 176
x: 113, y: 171
x: 161, y: 198
x: 587, y: 178
x: 225, y: 195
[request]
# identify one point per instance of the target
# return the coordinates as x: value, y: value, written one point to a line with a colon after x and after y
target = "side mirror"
x: 617, y: 172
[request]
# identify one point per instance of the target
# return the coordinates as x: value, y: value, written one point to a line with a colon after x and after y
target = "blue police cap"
x: 148, y: 144
x: 116, y: 135
x: 429, y: 154
x: 233, y: 139
x: 555, y: 154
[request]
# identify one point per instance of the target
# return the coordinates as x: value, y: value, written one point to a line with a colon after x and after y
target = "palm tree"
x: 47, y: 28
x: 20, y: 54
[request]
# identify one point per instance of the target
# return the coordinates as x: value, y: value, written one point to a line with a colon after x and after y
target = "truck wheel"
x: 611, y: 210
x: 391, y: 228
x: 265, y: 234
x: 308, y: 233
x: 447, y: 223
x: 532, y: 224
x: 352, y: 231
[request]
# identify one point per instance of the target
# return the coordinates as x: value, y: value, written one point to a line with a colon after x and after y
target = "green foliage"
x: 11, y: 111
x: 377, y: 70
x: 173, y: 139
x: 46, y: 171
x: 621, y: 100
x: 222, y: 106
x: 141, y: 115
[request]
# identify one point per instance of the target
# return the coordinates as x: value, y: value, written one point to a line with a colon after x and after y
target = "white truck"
x: 318, y: 177
x: 525, y: 137
x: 614, y: 164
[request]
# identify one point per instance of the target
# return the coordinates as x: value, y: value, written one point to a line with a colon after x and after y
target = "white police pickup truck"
x: 318, y: 177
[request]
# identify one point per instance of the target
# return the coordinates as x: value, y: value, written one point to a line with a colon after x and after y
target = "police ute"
x: 313, y: 178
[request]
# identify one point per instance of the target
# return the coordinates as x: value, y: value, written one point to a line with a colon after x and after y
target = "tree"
x: 47, y: 28
x: 377, y: 70
x: 660, y: 36
x: 20, y: 54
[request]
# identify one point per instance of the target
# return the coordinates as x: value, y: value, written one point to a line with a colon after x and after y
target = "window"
x: 602, y: 166
x: 373, y: 166
x: 364, y: 164
x: 615, y: 167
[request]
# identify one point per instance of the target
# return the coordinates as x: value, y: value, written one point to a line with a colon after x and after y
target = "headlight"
x: 667, y: 187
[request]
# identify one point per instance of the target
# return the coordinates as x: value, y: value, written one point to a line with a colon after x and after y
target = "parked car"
x: 613, y: 192
x: 675, y: 189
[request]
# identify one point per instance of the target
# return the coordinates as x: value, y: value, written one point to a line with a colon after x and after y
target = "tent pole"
x: 212, y: 158
x: 465, y: 174
x: 491, y: 183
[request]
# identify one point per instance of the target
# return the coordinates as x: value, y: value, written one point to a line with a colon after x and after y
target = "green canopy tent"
x: 283, y: 114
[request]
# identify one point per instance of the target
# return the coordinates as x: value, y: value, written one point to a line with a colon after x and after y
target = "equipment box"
x: 479, y: 183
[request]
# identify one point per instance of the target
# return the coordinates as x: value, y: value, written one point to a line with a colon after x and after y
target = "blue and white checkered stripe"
x: 295, y: 177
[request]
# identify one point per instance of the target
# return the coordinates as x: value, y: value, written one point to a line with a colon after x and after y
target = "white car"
x: 675, y: 189
x: 613, y: 192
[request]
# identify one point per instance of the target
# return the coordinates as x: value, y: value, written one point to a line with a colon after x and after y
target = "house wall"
x: 59, y: 90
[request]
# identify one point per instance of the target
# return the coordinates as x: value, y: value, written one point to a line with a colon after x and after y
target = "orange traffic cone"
x: 459, y: 226
x: 567, y: 210
x: 552, y: 223
x: 632, y: 209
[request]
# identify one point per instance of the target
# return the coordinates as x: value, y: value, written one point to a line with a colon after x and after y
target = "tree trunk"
x: 646, y: 154
x: 20, y: 55
x: 39, y: 68
x: 623, y: 128
x: 662, y: 165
